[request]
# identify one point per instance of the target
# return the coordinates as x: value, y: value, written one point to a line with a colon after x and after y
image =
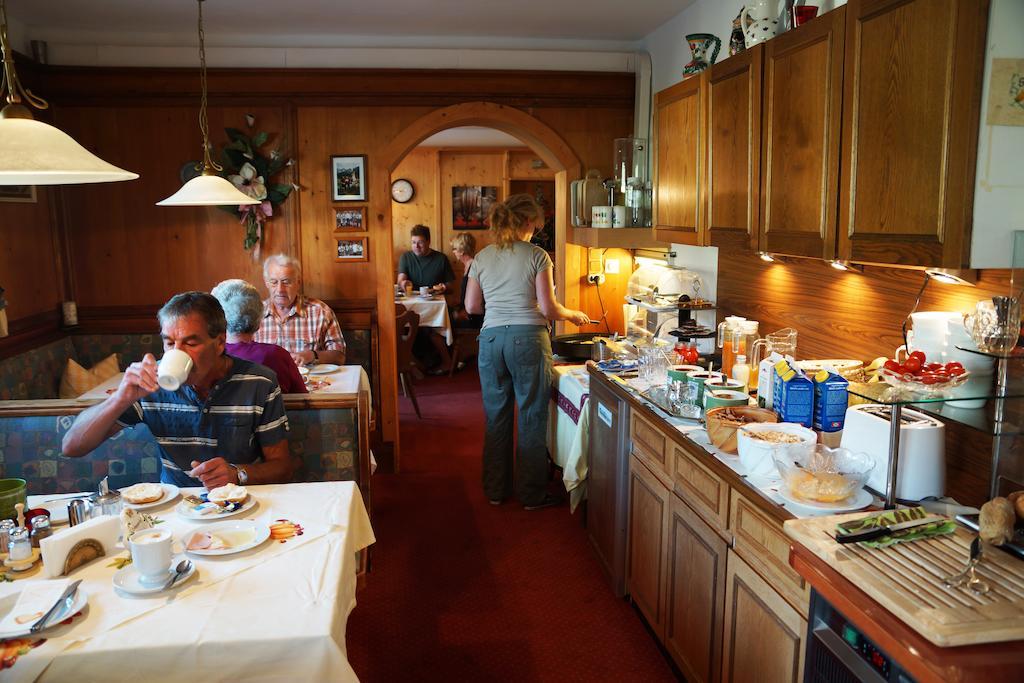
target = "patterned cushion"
x: 358, y: 349
x: 327, y: 443
x: 36, y: 374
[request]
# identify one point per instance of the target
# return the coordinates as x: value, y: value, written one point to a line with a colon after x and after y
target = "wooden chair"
x: 406, y: 326
x: 465, y: 341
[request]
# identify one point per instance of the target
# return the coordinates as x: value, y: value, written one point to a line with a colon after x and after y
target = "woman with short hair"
x: 243, y: 308
x: 464, y: 249
x: 514, y: 277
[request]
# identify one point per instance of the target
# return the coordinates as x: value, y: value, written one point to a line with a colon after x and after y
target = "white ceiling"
x: 470, y: 23
x: 472, y: 136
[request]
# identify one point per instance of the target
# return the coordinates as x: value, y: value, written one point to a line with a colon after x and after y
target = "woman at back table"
x: 243, y: 308
x: 514, y: 278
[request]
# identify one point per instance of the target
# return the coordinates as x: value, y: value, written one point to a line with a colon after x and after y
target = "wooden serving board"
x: 906, y: 579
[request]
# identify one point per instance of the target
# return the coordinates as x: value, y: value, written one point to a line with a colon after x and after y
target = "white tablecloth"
x: 274, y: 613
x: 569, y: 428
x: 433, y: 313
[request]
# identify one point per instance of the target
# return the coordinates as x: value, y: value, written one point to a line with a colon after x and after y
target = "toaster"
x: 921, y: 471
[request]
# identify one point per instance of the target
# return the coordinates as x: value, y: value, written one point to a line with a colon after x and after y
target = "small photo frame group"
x: 352, y: 250
x: 350, y: 220
x: 348, y: 178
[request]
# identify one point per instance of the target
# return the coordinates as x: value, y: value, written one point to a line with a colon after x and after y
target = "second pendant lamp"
x: 209, y: 188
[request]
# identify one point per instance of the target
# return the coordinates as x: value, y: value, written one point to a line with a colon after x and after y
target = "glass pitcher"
x: 782, y: 342
x: 728, y: 340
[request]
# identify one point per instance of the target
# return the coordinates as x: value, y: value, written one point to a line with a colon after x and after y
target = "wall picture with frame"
x: 348, y: 178
x: 471, y: 205
x: 352, y: 220
x: 352, y: 250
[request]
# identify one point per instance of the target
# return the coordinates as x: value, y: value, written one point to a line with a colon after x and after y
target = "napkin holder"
x: 68, y: 549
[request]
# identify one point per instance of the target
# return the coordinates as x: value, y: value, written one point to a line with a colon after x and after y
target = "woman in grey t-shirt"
x: 514, y: 278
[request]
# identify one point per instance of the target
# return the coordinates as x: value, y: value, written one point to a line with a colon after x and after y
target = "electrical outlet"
x: 596, y: 279
x: 611, y: 266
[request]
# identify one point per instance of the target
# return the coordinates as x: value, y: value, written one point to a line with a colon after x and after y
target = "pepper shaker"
x: 40, y: 529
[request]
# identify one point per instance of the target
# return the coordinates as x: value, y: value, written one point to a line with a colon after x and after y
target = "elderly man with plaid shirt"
x: 304, y: 326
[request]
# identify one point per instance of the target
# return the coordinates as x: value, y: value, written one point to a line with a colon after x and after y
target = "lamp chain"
x: 9, y: 79
x: 204, y: 127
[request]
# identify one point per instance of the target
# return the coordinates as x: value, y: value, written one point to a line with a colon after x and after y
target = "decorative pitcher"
x: 760, y: 21
x: 700, y: 44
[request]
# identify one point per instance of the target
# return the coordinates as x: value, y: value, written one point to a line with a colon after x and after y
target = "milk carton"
x: 793, y: 395
x: 831, y: 399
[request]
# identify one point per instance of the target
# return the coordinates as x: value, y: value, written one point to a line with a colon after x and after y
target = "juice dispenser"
x: 729, y: 332
x: 743, y: 343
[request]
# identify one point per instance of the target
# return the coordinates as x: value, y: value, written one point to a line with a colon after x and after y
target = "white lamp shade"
x: 35, y: 153
x: 208, y: 190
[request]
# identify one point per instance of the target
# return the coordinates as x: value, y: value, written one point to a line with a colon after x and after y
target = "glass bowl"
x: 912, y: 384
x: 12, y: 492
x: 821, y: 474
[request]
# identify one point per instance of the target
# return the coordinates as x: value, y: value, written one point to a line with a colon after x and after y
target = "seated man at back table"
x: 305, y: 326
x: 225, y: 425
x: 424, y: 267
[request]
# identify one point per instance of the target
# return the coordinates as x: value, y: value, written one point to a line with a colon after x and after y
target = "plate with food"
x: 226, y: 538
x: 148, y: 495
x: 323, y: 368
x: 218, y: 503
x: 916, y: 374
x: 18, y: 625
x: 823, y: 478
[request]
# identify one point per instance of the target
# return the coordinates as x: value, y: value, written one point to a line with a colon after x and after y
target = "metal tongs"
x: 968, y: 576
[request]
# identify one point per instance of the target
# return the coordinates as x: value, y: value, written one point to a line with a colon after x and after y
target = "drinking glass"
x: 689, y: 408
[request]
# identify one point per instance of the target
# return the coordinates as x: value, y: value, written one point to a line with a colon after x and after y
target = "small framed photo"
x: 18, y: 193
x: 352, y: 249
x: 352, y: 220
x: 348, y: 178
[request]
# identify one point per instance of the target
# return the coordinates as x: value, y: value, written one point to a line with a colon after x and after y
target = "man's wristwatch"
x: 241, y: 475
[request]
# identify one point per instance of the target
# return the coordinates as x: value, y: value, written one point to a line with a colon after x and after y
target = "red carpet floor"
x: 461, y: 590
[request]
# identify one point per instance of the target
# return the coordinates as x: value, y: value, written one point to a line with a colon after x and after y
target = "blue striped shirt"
x: 243, y: 413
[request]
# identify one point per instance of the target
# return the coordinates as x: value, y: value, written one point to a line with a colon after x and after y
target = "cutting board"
x: 906, y: 579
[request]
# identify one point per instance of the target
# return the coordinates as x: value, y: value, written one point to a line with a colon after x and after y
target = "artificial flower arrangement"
x: 251, y: 172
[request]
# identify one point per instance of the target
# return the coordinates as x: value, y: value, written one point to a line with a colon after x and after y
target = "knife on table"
x: 881, y: 531
x: 50, y: 613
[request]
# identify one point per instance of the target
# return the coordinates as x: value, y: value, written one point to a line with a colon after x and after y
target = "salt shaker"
x: 19, y: 547
x: 40, y: 529
x: 6, y: 526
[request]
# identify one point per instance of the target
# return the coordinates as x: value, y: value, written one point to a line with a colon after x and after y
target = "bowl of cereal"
x: 820, y: 474
x: 758, y: 442
x: 723, y: 422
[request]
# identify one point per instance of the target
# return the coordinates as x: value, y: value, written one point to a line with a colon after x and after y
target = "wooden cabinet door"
x: 764, y: 636
x: 734, y: 149
x: 803, y: 72
x: 679, y: 163
x: 912, y: 85
x: 607, y: 472
x: 696, y: 594
x: 648, y: 537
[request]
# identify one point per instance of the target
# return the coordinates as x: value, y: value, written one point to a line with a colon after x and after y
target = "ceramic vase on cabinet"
x: 700, y: 45
x: 760, y: 21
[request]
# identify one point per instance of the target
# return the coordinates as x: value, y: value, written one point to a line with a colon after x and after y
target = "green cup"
x: 679, y: 372
x: 719, y: 398
x: 698, y: 378
x: 12, y: 492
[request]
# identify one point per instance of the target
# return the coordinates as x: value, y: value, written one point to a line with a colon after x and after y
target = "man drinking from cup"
x: 303, y: 325
x: 216, y: 419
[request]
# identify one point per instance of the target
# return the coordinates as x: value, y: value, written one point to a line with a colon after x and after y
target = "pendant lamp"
x: 209, y: 188
x: 35, y: 153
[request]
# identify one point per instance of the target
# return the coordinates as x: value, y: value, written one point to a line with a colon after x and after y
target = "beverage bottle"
x: 741, y: 371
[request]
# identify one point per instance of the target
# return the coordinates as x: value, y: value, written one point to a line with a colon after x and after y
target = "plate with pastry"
x: 226, y: 538
x: 226, y: 501
x: 148, y: 495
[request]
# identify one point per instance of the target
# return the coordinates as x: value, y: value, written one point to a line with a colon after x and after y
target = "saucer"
x: 857, y: 501
x: 127, y: 579
x: 324, y: 369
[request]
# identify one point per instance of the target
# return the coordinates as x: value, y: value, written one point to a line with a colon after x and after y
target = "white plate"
x: 303, y: 371
x: 857, y: 501
x: 324, y: 369
x: 170, y: 493
x: 251, y: 534
x: 127, y: 579
x: 9, y: 601
x: 184, y: 509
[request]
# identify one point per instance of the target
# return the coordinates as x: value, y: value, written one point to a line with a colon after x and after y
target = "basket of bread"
x: 721, y: 424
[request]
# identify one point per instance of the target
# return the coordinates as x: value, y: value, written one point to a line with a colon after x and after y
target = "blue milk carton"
x: 831, y: 398
x: 793, y: 395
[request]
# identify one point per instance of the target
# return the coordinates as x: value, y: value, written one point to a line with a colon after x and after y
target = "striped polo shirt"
x: 243, y: 413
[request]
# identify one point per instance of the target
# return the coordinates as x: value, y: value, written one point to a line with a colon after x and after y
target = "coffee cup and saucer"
x: 153, y: 564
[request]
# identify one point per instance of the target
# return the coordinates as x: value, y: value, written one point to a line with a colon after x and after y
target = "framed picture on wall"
x: 471, y: 204
x: 352, y: 220
x: 348, y: 178
x: 353, y: 249
x: 18, y: 193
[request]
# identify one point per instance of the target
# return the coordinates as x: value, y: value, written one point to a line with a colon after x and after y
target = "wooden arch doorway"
x: 544, y: 142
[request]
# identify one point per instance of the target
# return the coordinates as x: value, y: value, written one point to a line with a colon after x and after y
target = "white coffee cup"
x: 424, y: 291
x: 173, y: 369
x: 151, y: 554
x: 601, y: 217
x: 618, y: 216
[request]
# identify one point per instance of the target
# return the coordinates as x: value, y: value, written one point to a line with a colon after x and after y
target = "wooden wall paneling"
x: 680, y: 155
x: 467, y: 167
x: 912, y: 86
x: 734, y: 149
x: 803, y: 73
x: 420, y: 167
x: 30, y: 253
x: 521, y: 166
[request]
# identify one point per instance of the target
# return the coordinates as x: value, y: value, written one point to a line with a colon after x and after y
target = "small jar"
x: 108, y: 503
x: 19, y: 547
x: 40, y: 529
x: 6, y: 526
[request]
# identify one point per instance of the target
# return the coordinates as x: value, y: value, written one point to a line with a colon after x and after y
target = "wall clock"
x: 402, y: 190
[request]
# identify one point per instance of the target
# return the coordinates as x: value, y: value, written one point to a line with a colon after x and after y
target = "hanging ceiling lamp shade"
x: 209, y: 188
x: 35, y: 153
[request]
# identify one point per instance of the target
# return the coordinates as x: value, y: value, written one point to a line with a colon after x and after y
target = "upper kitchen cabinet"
x: 679, y: 160
x: 734, y: 149
x: 803, y: 78
x: 912, y: 92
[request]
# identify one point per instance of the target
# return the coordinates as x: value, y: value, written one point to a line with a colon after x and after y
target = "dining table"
x: 433, y: 312
x: 274, y: 612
